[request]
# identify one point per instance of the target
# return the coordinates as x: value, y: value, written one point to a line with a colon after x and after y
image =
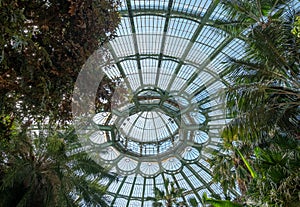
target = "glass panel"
x: 175, y: 46
x: 184, y: 74
x: 180, y: 27
x: 197, y: 7
x: 165, y: 74
x: 149, y: 24
x: 172, y: 74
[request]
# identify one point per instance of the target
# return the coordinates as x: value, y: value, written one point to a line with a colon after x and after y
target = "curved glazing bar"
x: 169, y: 56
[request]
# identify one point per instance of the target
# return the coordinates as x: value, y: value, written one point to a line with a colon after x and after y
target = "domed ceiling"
x: 169, y: 56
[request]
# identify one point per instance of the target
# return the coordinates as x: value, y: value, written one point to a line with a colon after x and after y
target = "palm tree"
x: 169, y: 197
x: 230, y: 170
x: 264, y: 102
x: 47, y: 170
x: 264, y: 96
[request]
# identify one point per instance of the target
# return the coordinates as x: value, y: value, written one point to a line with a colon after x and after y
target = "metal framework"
x: 169, y: 55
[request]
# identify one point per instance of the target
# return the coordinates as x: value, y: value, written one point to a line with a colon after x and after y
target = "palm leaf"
x: 250, y: 169
x: 219, y: 203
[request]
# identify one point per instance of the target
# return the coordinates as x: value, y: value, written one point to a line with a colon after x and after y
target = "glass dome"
x: 169, y: 56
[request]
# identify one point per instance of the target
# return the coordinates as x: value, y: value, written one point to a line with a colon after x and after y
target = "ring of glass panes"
x: 153, y: 132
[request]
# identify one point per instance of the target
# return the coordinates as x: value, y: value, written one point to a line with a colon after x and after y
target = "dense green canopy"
x: 43, y: 45
x: 264, y: 101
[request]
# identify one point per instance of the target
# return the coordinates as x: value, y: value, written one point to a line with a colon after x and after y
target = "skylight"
x: 169, y: 114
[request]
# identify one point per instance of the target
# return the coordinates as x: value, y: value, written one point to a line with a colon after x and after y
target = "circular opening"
x: 148, y: 133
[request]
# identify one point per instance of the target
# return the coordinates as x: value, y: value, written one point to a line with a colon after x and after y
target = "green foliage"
x: 42, y: 49
x: 43, y: 45
x: 193, y: 201
x: 244, y: 14
x: 229, y: 169
x: 7, y: 127
x: 219, y: 203
x: 44, y: 170
x: 279, y: 173
x: 260, y: 152
x: 296, y: 28
x: 168, y: 197
x: 266, y: 82
x: 249, y: 167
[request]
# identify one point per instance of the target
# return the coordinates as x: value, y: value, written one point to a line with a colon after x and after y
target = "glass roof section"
x: 169, y: 55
